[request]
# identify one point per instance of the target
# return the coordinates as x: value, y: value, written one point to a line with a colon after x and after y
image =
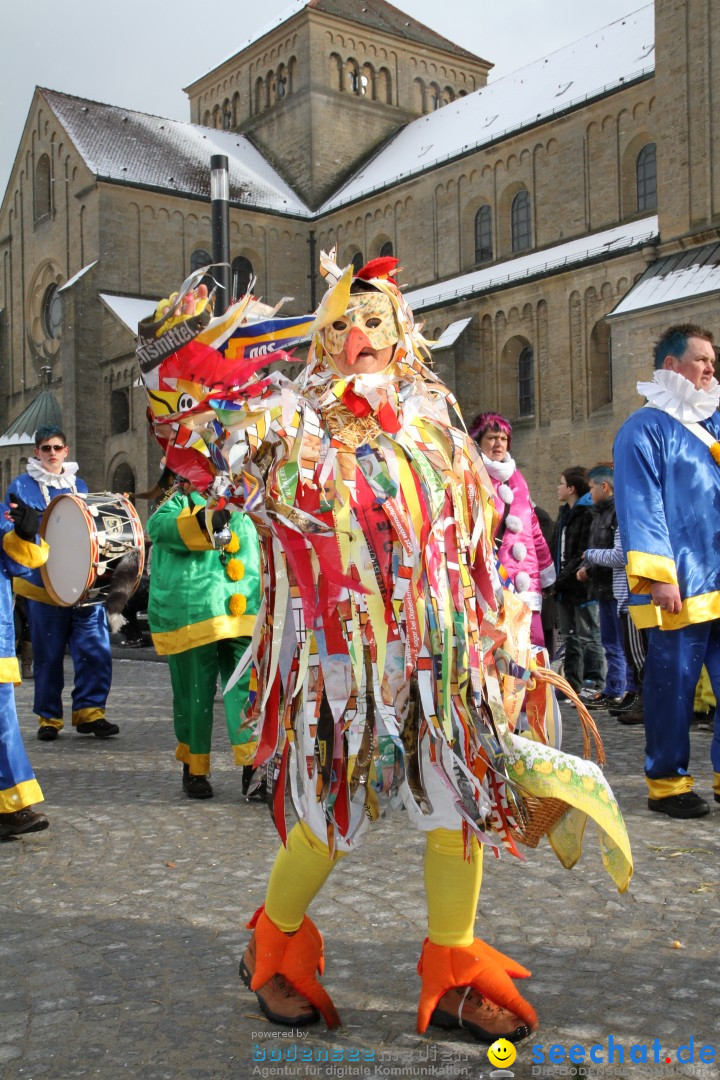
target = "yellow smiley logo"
x: 502, y: 1053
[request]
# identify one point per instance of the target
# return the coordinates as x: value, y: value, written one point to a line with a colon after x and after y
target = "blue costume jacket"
x: 82, y: 628
x: 667, y: 492
x: 28, y: 489
x: 18, y: 786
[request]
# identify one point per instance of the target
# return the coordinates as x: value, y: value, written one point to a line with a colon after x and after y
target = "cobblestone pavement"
x: 122, y: 925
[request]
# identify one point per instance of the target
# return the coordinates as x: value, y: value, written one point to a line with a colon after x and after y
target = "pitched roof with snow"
x: 371, y: 14
x: 136, y: 148
x: 553, y: 260
x: 682, y: 276
x: 591, y: 67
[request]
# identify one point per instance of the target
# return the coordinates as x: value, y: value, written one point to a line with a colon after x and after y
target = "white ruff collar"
x: 500, y: 470
x: 66, y: 479
x: 677, y: 396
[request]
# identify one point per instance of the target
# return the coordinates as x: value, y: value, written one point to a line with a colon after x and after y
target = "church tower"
x: 322, y: 89
x: 687, y: 75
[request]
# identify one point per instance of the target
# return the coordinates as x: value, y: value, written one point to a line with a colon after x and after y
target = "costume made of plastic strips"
x: 18, y: 558
x: 383, y: 662
x: 390, y: 662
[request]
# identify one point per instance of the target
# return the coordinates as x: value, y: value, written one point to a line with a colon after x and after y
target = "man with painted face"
x: 381, y: 654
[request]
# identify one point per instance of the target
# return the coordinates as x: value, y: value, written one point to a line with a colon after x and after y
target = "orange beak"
x: 355, y: 342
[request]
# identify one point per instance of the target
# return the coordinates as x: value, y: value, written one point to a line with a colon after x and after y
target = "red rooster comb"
x: 379, y: 268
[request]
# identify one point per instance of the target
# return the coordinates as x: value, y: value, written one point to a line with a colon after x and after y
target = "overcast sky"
x: 138, y: 54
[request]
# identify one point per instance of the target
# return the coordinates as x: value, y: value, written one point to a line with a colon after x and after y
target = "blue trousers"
x: 619, y: 678
x: 672, y: 669
x: 84, y: 630
x: 18, y: 786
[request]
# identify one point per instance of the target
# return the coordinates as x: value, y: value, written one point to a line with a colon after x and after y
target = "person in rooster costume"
x: 391, y: 665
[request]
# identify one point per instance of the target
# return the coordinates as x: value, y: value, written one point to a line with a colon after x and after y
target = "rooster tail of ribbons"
x: 200, y: 372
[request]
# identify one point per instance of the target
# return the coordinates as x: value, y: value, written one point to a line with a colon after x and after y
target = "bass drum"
x: 88, y: 536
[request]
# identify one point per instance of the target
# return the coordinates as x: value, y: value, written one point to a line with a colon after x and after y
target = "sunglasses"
x: 48, y: 448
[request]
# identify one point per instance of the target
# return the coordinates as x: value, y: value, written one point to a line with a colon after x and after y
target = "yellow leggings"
x: 452, y: 883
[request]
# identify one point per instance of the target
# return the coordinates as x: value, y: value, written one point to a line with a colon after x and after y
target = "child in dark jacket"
x: 578, y: 617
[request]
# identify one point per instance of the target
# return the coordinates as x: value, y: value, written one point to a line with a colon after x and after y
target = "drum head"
x: 66, y: 531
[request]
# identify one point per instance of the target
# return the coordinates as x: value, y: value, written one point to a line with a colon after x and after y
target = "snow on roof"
x: 450, y: 334
x: 598, y: 245
x: 168, y: 155
x: 594, y: 65
x: 128, y: 310
x: 682, y: 276
x: 76, y: 277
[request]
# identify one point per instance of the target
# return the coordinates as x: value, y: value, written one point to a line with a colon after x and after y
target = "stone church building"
x: 549, y: 224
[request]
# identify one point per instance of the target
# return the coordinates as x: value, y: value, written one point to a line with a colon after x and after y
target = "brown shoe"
x: 21, y: 821
x: 277, y: 998
x: 463, y: 1007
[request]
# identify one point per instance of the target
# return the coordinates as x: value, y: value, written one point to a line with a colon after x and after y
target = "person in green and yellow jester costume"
x: 392, y: 666
x: 204, y: 599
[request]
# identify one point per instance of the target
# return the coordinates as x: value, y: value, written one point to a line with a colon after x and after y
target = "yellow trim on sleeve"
x: 202, y: 633
x: 25, y: 552
x: 31, y: 592
x: 696, y: 609
x: 24, y: 794
x: 191, y: 532
x: 642, y: 569
x: 9, y: 670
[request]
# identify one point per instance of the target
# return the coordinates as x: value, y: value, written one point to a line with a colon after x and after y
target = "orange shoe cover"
x: 296, y: 956
x: 488, y: 971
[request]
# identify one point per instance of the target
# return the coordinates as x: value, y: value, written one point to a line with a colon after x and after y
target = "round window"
x: 52, y: 312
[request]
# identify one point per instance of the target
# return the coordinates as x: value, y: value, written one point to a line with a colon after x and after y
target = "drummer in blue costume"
x: 19, y: 789
x: 52, y: 628
x: 667, y: 491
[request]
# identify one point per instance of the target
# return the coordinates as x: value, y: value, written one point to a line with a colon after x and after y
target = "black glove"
x: 219, y: 520
x: 24, y: 518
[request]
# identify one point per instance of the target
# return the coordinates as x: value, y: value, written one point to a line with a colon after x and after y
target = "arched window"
x: 435, y: 97
x: 259, y: 94
x: 281, y: 84
x: 357, y: 261
x: 226, y: 115
x: 386, y: 250
x: 199, y: 258
x: 119, y: 411
x: 216, y: 116
x: 526, y: 382
x: 42, y: 203
x: 600, y: 366
x: 646, y: 178
x: 236, y: 109
x: 520, y: 222
x: 242, y: 274
x: 483, y: 235
x: 123, y: 479
x: 358, y: 82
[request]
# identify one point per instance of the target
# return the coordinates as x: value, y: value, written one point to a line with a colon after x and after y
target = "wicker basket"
x: 540, y: 816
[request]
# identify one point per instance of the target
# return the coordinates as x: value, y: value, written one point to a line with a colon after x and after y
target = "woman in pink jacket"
x: 520, y: 544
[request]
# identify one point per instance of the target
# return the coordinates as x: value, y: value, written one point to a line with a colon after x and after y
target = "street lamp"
x: 219, y: 197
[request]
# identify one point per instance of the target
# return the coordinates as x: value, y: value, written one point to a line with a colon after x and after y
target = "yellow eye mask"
x: 371, y: 313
